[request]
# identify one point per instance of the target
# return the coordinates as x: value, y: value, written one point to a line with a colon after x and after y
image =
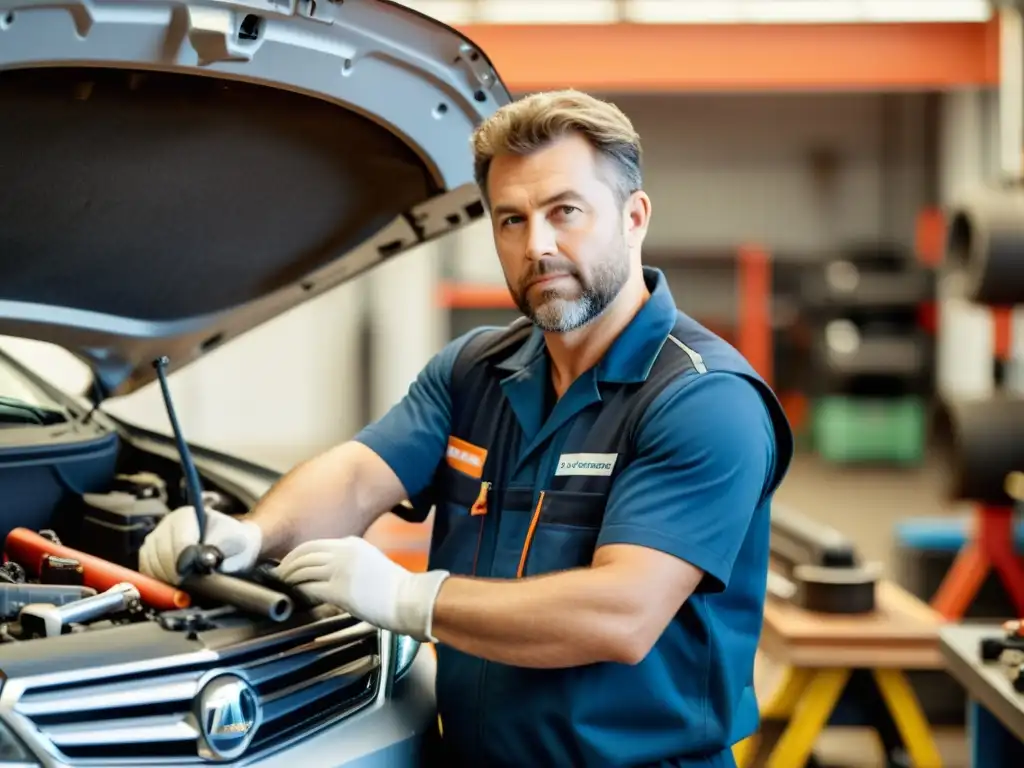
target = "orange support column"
x: 1002, y: 322
x: 962, y: 582
x: 930, y: 237
x: 754, y: 336
x: 991, y: 547
x: 930, y: 248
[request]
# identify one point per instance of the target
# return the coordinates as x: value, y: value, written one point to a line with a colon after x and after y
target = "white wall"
x: 407, y: 329
x: 968, y: 153
x: 720, y: 169
x: 276, y: 394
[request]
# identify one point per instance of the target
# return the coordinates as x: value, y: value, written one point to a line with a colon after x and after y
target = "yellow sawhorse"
x: 819, y: 652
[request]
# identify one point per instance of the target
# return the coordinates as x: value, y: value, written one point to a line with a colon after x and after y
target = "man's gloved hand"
x: 238, y: 540
x: 357, y: 577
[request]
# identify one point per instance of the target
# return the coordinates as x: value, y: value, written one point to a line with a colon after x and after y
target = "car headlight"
x: 406, y: 649
x: 12, y: 750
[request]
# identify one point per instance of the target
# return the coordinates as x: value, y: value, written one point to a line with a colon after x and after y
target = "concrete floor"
x: 865, y: 503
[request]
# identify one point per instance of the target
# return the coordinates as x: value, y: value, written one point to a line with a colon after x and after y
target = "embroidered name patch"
x: 600, y: 464
x: 466, y: 457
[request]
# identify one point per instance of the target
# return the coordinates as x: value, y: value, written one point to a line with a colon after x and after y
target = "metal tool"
x: 198, y: 558
x: 12, y: 573
x: 14, y: 597
x: 48, y: 620
x: 819, y: 570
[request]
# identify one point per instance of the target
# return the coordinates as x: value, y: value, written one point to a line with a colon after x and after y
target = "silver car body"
x: 174, y: 175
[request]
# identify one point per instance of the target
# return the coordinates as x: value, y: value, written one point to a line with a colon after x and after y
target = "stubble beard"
x: 555, y: 311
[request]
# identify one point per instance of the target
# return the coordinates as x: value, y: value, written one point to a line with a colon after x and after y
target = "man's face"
x: 560, y: 233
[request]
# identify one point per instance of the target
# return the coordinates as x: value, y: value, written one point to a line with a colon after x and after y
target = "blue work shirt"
x: 708, y: 453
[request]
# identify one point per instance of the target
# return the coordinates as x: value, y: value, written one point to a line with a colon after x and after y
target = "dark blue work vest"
x: 488, y: 526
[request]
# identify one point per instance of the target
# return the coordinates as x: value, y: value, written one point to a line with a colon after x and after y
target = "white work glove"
x: 357, y: 577
x: 238, y: 540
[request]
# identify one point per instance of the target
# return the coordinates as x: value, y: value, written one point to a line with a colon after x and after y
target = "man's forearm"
x: 566, y: 619
x: 321, y: 499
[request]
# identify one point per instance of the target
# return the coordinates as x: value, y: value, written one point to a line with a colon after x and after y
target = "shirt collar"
x: 631, y: 355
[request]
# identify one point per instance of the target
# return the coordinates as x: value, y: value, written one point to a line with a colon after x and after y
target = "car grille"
x: 305, y: 680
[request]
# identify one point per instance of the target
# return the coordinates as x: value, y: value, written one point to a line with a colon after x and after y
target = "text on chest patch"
x: 466, y: 457
x: 599, y: 464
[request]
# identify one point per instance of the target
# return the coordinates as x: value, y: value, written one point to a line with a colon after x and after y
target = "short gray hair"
x: 527, y: 124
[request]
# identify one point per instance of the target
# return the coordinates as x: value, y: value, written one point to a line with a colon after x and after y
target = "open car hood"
x: 173, y: 174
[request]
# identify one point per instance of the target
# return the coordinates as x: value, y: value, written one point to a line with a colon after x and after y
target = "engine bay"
x: 79, y: 502
x: 48, y: 588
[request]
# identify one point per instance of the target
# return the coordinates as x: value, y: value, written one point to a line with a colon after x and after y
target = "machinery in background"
x: 983, y: 437
x: 817, y: 568
x: 1007, y: 650
x: 970, y: 567
x: 872, y: 361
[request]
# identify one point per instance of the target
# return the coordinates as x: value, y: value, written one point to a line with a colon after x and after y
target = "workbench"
x: 995, y: 721
x: 853, y: 663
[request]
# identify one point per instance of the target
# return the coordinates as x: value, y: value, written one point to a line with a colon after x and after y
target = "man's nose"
x: 541, y: 240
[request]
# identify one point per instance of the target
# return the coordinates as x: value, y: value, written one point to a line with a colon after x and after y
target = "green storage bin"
x: 849, y: 429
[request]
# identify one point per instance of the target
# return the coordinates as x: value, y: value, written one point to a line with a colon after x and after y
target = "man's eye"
x: 567, y: 210
x: 510, y: 220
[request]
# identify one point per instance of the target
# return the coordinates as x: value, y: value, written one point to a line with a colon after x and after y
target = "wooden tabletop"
x: 984, y: 682
x: 902, y: 633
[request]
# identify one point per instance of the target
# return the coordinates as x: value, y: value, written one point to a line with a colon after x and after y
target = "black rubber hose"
x: 230, y: 590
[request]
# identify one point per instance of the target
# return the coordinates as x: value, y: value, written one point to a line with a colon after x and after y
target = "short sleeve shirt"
x: 707, y: 455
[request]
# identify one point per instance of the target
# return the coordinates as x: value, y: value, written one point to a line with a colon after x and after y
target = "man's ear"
x: 637, y: 214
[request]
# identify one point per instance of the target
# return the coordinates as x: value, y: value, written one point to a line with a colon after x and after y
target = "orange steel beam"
x: 455, y: 295
x: 1002, y: 337
x: 930, y: 237
x: 733, y: 57
x: 754, y: 294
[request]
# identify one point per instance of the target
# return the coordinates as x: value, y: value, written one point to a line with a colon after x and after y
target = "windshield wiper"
x: 18, y: 412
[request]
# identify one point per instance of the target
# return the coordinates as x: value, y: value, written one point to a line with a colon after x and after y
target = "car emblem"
x: 228, y: 712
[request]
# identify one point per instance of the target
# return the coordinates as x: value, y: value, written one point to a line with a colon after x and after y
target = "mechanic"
x: 601, y: 474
